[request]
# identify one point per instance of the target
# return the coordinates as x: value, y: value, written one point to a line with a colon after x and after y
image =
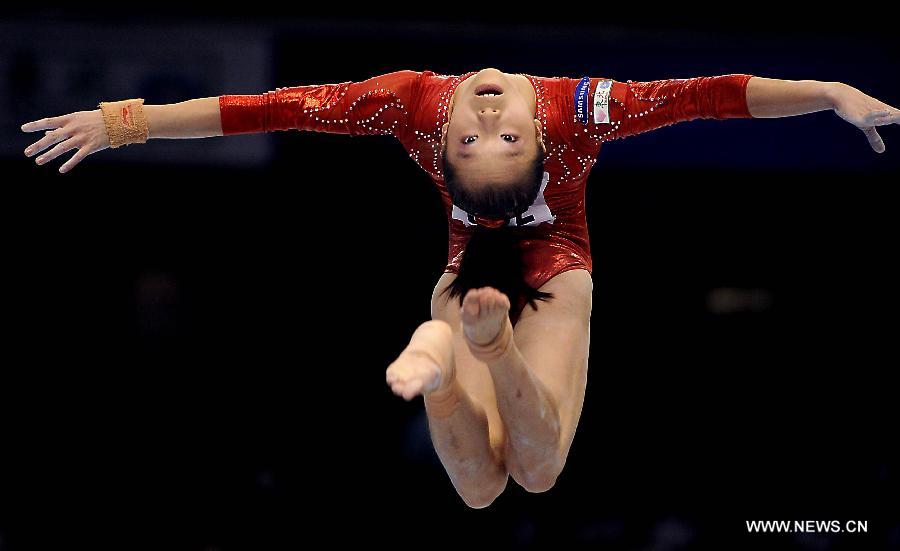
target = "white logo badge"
x: 601, y: 102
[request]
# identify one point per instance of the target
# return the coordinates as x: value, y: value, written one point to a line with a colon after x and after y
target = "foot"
x: 426, y: 365
x: 484, y: 311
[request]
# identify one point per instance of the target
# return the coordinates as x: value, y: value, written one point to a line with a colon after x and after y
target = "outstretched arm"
x: 771, y: 97
x: 195, y: 118
x: 378, y: 105
x: 86, y: 130
x: 619, y: 109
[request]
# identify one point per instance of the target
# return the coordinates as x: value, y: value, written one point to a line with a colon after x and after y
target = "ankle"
x: 443, y: 401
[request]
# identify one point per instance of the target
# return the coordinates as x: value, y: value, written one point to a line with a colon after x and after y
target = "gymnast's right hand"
x: 84, y: 130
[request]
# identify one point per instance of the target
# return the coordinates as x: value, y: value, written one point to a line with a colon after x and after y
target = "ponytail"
x: 493, y: 258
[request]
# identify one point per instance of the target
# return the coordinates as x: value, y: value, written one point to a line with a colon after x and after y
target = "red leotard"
x: 413, y: 105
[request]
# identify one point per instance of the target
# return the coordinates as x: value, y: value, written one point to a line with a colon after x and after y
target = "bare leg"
x: 527, y: 408
x: 458, y: 425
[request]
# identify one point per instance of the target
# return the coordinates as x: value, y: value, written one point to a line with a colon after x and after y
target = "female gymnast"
x: 503, y: 381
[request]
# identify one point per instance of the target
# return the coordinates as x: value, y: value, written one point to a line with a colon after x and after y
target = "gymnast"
x: 502, y: 377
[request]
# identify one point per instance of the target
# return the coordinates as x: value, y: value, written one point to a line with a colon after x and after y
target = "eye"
x: 465, y: 139
x: 512, y: 138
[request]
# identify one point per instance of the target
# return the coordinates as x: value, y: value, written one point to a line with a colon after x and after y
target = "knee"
x: 536, y: 479
x: 479, y: 497
x: 538, y: 483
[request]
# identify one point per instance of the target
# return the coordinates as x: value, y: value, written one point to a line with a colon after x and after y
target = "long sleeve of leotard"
x: 622, y: 109
x: 378, y: 105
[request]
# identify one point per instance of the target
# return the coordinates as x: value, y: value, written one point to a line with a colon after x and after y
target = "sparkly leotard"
x: 577, y: 115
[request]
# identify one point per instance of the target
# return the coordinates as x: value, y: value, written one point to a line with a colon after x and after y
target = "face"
x: 492, y: 134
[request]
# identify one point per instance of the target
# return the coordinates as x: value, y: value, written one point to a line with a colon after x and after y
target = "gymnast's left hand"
x: 82, y: 130
x: 864, y: 112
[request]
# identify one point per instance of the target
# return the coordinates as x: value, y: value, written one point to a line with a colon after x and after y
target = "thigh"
x: 555, y: 341
x: 473, y: 374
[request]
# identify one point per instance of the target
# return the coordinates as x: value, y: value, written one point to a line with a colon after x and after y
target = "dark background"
x: 197, y: 331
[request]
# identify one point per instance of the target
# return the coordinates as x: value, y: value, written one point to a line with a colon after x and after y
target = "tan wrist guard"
x: 495, y: 349
x: 125, y: 121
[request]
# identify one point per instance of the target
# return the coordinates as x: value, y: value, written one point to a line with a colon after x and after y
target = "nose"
x: 489, y: 117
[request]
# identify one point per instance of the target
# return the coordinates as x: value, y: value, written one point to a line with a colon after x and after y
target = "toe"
x: 497, y: 300
x: 487, y: 299
x: 471, y: 305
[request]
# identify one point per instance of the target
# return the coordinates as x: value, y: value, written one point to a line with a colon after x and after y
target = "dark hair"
x: 492, y: 256
x: 499, y: 201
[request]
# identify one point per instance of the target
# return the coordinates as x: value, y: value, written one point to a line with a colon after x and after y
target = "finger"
x: 891, y: 118
x: 870, y: 116
x: 43, y: 124
x: 56, y: 151
x: 36, y: 147
x: 874, y: 139
x: 74, y: 159
x: 32, y: 149
x: 52, y: 137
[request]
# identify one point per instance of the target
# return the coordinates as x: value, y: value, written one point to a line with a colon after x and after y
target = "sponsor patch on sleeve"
x: 601, y: 101
x: 582, y: 96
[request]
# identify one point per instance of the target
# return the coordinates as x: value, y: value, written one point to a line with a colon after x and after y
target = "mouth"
x: 488, y: 90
